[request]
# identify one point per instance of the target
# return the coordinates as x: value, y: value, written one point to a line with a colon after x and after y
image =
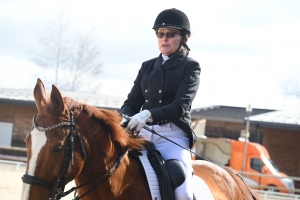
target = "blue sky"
x: 247, y: 49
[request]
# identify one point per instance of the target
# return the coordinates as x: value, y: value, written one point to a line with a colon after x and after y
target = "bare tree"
x: 75, y: 60
x: 85, y: 67
x: 55, y: 46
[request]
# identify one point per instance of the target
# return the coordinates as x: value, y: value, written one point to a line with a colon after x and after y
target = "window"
x: 6, y: 133
x: 256, y: 164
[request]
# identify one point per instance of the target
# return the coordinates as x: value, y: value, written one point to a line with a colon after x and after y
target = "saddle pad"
x: 151, y: 176
x: 200, y: 189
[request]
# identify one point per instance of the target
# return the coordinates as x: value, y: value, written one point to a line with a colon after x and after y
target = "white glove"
x: 139, y: 120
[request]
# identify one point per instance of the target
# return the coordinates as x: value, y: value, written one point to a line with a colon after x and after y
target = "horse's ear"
x: 39, y: 94
x: 57, y: 100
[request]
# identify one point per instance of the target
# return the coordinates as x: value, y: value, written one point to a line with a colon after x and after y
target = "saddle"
x: 170, y: 173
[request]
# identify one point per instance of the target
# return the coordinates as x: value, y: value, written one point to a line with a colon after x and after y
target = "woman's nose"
x: 165, y: 37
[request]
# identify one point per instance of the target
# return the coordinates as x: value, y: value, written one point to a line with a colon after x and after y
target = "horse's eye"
x: 56, y: 149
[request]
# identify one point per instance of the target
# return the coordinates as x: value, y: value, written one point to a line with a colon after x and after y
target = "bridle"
x: 67, y: 159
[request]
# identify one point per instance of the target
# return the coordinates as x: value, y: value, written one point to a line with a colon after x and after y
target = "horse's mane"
x: 109, y: 121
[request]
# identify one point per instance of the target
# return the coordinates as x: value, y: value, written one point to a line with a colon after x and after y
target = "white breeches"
x: 171, y: 151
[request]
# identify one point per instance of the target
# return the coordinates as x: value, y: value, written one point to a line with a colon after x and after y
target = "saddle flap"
x: 158, y: 164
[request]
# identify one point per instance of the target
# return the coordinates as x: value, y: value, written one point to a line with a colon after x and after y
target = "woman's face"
x: 167, y: 45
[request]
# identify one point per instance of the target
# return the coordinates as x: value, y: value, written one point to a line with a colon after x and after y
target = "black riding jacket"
x: 167, y: 91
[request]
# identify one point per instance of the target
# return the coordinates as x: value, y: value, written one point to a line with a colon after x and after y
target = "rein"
x: 67, y: 159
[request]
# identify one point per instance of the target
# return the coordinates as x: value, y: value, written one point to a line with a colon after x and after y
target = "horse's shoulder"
x: 203, y: 164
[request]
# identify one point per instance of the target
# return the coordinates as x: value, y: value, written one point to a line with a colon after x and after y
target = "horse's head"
x: 49, y: 146
x: 55, y: 147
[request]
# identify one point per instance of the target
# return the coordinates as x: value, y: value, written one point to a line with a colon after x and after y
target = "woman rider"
x: 163, y: 92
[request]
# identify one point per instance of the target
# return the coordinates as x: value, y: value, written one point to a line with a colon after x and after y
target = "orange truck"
x: 230, y: 153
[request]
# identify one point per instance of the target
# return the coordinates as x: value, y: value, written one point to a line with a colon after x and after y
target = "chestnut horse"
x: 83, y: 143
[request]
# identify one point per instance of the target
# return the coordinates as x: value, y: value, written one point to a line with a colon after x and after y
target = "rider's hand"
x: 139, y: 120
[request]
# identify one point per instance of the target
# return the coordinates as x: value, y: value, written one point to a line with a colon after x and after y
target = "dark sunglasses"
x: 168, y: 34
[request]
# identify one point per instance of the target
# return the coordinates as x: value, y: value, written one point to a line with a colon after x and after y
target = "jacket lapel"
x: 174, y: 61
x: 158, y: 65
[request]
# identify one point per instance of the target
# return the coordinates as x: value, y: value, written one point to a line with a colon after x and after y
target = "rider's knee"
x: 183, y: 195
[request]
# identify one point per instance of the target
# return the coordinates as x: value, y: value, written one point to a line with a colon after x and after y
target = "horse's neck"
x: 98, y: 161
x: 101, y: 156
x: 129, y: 179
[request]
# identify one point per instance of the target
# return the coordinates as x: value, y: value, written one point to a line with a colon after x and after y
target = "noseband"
x: 68, y: 158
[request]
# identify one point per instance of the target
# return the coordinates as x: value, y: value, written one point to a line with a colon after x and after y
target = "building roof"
x: 25, y: 97
x: 283, y: 119
x: 226, y: 113
x: 289, y: 119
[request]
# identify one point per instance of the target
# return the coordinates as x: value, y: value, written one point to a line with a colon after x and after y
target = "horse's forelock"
x: 69, y: 104
x: 48, y: 106
x: 73, y: 104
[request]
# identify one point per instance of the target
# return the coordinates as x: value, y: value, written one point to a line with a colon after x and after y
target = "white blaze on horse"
x: 71, y: 140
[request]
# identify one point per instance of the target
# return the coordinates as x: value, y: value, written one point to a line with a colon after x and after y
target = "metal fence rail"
x: 262, y: 187
x: 19, y: 162
x: 13, y: 148
x: 12, y: 157
x: 16, y: 164
x: 265, y: 195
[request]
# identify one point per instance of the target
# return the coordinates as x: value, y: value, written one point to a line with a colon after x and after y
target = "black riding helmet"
x: 174, y: 18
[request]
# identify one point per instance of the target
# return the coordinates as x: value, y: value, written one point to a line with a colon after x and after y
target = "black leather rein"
x: 68, y: 158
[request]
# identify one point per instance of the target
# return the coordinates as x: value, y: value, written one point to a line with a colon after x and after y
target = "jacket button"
x: 159, y: 91
x: 146, y: 100
x: 146, y: 91
x: 166, y: 120
x: 159, y: 101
